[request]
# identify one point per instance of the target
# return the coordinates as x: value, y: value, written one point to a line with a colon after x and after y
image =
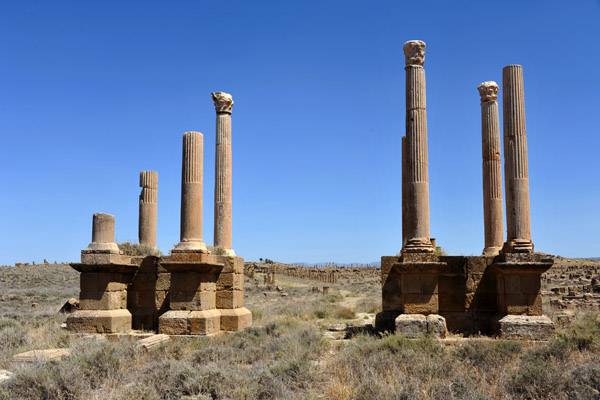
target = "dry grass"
x: 284, y: 356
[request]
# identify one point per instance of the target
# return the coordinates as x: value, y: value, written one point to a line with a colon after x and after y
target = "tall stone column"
x: 417, y: 175
x: 103, y: 234
x: 148, y: 208
x: 404, y: 213
x: 492, y: 169
x: 222, y: 239
x: 191, y: 194
x: 518, y: 219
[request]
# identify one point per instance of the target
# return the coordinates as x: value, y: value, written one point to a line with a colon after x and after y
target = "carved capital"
x: 223, y: 102
x: 488, y: 91
x: 414, y: 52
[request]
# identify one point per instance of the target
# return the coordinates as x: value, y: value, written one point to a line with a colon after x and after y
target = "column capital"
x: 223, y: 102
x: 414, y: 52
x: 488, y: 91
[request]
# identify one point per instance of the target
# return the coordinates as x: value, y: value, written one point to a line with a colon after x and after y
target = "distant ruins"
x: 498, y: 292
x: 191, y: 291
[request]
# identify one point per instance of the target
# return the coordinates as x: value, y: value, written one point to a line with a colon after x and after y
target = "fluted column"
x: 417, y: 176
x: 103, y: 234
x: 191, y: 194
x: 223, y: 107
x: 148, y: 208
x: 492, y: 169
x: 518, y: 219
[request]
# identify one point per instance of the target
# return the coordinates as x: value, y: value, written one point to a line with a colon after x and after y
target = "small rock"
x: 71, y: 305
x: 266, y: 294
x: 5, y: 375
x: 279, y: 288
x: 35, y: 305
x: 284, y: 294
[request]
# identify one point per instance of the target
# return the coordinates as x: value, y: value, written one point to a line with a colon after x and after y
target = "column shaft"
x: 191, y: 193
x: 518, y: 219
x: 148, y: 208
x: 492, y: 169
x: 103, y: 233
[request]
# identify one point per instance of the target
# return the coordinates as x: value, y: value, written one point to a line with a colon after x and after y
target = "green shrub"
x: 136, y: 249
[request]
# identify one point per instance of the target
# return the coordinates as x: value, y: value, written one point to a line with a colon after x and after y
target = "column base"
x: 190, y: 246
x: 189, y: 322
x: 99, y: 321
x: 491, y: 251
x: 525, y: 327
x: 518, y: 246
x: 224, y: 252
x: 418, y: 246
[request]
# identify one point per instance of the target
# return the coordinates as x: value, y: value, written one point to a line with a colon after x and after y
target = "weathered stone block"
x: 420, y: 303
x: 174, y: 322
x: 230, y: 299
x: 512, y: 284
x: 411, y: 283
x: 530, y: 283
x: 411, y: 325
x: 516, y: 303
x: 436, y: 326
x: 204, y: 322
x: 144, y: 319
x: 392, y: 301
x: 235, y: 319
x: 193, y: 301
x: 163, y: 281
x: 534, y: 304
x: 525, y: 327
x: 429, y: 283
x: 102, y: 300
x: 88, y: 282
x: 99, y: 321
x: 142, y: 299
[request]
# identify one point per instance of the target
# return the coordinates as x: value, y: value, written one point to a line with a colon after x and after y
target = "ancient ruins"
x: 190, y: 291
x: 498, y: 292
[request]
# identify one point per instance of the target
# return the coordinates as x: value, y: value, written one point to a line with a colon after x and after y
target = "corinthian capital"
x: 488, y: 91
x: 414, y: 52
x: 223, y: 102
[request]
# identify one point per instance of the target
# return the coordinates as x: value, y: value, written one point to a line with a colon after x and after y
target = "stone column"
x: 103, y: 234
x: 515, y: 163
x: 148, y: 208
x: 404, y: 212
x: 417, y: 176
x: 492, y: 169
x: 191, y: 194
x: 222, y: 239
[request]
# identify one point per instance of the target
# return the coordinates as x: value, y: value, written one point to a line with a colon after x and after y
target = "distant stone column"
x: 518, y: 219
x: 492, y: 169
x: 417, y: 176
x: 223, y: 107
x: 191, y: 194
x: 148, y: 208
x: 404, y: 212
x: 103, y: 234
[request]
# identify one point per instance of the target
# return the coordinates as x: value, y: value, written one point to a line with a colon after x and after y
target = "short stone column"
x: 103, y: 234
x: 148, y: 208
x: 518, y: 219
x: 417, y: 175
x: 223, y: 106
x: 191, y: 194
x: 492, y: 169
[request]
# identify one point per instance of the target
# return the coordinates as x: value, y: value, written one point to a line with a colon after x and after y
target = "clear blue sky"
x: 91, y: 93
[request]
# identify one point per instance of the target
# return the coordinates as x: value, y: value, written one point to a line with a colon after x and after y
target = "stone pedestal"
x: 223, y: 106
x: 492, y: 169
x: 409, y: 287
x: 206, y: 295
x: 518, y: 278
x: 148, y: 208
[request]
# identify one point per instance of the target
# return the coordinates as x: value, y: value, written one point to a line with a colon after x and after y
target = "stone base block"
x: 525, y: 327
x: 189, y: 322
x: 99, y: 321
x: 415, y: 325
x: 235, y: 319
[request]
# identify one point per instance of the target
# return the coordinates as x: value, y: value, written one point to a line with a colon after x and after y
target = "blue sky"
x: 91, y: 93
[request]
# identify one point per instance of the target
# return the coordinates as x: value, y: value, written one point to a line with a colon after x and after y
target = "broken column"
x: 417, y: 176
x: 148, y: 208
x: 492, y: 169
x: 222, y: 238
x: 515, y: 163
x: 191, y: 194
x: 105, y: 275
